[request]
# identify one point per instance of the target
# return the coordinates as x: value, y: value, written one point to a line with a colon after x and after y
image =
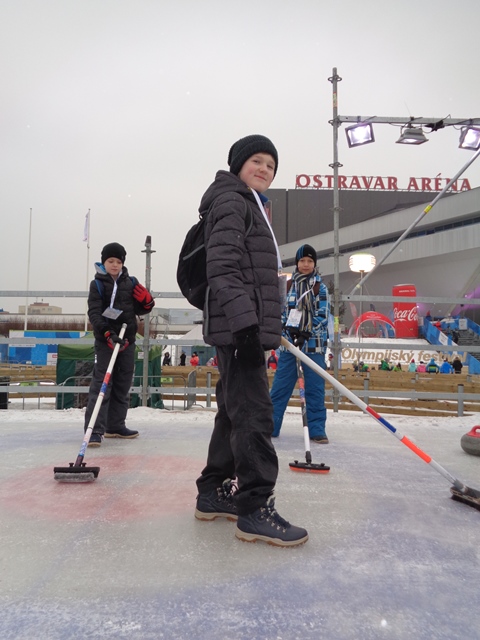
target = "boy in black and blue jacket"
x: 305, y: 322
x: 114, y: 298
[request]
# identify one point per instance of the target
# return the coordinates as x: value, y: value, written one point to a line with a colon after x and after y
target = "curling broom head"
x: 469, y: 496
x: 79, y: 473
x: 309, y: 467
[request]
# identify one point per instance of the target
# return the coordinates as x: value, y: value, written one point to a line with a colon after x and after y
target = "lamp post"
x: 361, y: 263
x: 146, y: 326
x: 360, y: 132
x: 28, y: 270
x: 336, y: 244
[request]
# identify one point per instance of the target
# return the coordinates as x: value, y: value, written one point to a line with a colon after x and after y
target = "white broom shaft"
x: 106, y: 379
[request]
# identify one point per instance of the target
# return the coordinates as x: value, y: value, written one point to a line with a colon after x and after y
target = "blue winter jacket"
x: 321, y: 305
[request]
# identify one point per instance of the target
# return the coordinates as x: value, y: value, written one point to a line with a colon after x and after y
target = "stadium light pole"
x: 336, y: 244
x: 412, y: 133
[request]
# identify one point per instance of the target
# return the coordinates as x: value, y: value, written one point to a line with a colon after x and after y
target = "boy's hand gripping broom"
x: 78, y: 471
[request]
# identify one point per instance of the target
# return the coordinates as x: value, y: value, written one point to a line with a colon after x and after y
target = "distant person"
x: 446, y: 367
x: 398, y: 367
x: 412, y: 367
x: 385, y: 365
x: 362, y: 367
x: 457, y: 365
x: 330, y: 362
x: 183, y: 357
x: 194, y: 360
x: 432, y: 366
x: 455, y: 336
x: 167, y: 360
x: 305, y: 322
x: 272, y: 360
x: 113, y: 299
x: 421, y: 367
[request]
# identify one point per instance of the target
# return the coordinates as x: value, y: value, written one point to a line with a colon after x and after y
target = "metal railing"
x: 188, y: 394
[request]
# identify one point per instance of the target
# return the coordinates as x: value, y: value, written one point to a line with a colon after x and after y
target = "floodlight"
x: 470, y: 138
x: 361, y: 262
x: 359, y: 134
x: 412, y: 135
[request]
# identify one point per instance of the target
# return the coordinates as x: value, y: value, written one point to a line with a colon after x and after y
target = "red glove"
x: 112, y: 339
x: 143, y: 296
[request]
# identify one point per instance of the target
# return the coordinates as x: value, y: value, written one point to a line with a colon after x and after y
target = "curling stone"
x: 470, y: 442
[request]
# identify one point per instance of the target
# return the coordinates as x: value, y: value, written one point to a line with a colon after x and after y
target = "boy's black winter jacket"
x: 124, y: 300
x: 242, y: 268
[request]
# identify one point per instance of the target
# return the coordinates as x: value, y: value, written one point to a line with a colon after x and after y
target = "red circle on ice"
x: 127, y: 488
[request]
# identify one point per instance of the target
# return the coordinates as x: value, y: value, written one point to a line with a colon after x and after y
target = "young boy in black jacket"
x: 242, y: 319
x: 114, y: 299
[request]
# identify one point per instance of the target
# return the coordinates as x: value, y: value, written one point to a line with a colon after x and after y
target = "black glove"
x: 112, y: 339
x: 299, y: 337
x: 248, y: 347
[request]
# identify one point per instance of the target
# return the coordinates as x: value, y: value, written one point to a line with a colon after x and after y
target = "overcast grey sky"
x: 129, y: 107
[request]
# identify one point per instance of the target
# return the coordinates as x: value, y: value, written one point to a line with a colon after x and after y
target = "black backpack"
x: 192, y: 261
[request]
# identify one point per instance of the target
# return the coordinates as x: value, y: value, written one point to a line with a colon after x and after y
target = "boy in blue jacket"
x: 305, y: 324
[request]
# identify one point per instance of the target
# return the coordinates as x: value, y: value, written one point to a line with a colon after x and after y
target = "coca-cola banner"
x: 405, y: 315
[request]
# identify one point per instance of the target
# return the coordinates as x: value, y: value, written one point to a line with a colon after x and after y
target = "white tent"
x: 195, y: 334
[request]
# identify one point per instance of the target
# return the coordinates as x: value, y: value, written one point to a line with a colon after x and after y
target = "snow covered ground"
x: 390, y: 555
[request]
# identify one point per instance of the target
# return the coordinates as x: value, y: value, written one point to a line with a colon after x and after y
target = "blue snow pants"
x: 284, y: 382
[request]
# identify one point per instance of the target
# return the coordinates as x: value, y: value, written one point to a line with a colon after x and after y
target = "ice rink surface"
x: 390, y: 555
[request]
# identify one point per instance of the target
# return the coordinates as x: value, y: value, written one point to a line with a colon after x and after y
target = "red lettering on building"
x: 379, y: 183
x: 367, y: 181
x: 355, y: 183
x: 302, y: 181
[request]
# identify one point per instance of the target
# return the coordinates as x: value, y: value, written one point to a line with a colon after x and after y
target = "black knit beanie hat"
x: 247, y: 147
x: 306, y: 251
x: 113, y: 250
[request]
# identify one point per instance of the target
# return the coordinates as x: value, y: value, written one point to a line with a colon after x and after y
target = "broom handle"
x: 368, y: 410
x: 301, y: 390
x: 98, y: 403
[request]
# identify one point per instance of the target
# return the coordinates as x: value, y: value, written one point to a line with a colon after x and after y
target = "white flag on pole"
x: 87, y: 228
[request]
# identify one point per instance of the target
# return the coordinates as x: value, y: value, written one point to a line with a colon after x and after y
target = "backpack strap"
x: 99, y: 287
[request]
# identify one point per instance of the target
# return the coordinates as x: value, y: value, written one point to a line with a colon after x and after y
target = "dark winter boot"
x: 122, y: 433
x: 267, y: 525
x: 217, y: 504
x: 95, y: 439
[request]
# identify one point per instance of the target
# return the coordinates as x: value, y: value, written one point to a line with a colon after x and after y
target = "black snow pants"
x: 113, y: 411
x: 241, y: 445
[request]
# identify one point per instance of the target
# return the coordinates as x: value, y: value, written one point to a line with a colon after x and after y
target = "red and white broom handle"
x: 368, y: 410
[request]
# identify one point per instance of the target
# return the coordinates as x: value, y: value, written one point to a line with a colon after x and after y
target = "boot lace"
x: 272, y: 516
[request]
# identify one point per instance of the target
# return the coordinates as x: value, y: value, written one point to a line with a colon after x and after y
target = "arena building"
x: 441, y: 256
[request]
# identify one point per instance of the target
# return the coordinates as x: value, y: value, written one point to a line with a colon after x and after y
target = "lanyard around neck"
x: 262, y: 209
